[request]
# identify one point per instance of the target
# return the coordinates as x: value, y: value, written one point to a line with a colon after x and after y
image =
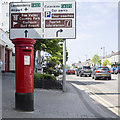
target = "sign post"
x: 64, y: 65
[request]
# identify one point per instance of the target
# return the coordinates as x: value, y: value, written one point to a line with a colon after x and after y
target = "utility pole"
x: 64, y: 65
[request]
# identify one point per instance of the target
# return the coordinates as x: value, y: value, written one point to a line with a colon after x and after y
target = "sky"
x: 96, y: 27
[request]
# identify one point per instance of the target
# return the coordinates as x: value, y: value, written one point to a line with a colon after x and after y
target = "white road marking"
x: 102, y: 101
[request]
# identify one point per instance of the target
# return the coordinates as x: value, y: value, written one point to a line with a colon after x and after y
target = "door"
x: 6, y: 60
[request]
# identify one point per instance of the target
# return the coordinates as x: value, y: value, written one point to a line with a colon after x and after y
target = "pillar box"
x: 24, y: 54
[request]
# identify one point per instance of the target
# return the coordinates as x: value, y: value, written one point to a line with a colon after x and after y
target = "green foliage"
x: 50, y: 69
x: 52, y: 46
x: 46, y: 81
x: 56, y: 73
x: 110, y: 64
x: 67, y: 67
x: 96, y: 60
x: 106, y: 62
x: 75, y: 67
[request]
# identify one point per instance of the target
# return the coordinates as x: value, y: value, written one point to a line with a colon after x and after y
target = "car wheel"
x: 109, y: 78
x: 92, y: 77
x: 85, y: 75
x: 80, y: 75
x: 89, y: 75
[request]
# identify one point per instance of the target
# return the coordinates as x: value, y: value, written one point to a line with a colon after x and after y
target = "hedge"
x: 46, y: 81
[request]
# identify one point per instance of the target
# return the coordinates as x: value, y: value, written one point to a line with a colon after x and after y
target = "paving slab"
x: 73, y: 103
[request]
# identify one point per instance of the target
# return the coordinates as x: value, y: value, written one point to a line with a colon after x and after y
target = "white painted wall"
x: 5, y: 16
x: 4, y: 40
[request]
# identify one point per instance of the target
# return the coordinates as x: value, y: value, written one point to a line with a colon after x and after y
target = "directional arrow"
x: 26, y: 32
x: 58, y: 31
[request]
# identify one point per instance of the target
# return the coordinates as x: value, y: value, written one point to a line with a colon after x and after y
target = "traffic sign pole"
x: 64, y: 65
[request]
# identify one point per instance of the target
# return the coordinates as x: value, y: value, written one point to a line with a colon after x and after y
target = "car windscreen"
x: 86, y: 67
x: 103, y: 68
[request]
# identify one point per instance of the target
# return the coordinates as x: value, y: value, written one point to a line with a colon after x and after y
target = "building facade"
x: 7, y: 53
x: 7, y: 50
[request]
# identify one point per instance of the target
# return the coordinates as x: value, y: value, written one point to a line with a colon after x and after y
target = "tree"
x: 67, y: 67
x: 96, y: 60
x: 106, y: 62
x: 52, y: 46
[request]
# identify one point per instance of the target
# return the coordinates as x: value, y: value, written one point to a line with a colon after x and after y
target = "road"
x: 104, y: 92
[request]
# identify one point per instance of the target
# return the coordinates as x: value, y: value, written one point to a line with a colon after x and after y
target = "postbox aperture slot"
x: 26, y: 50
x: 26, y: 60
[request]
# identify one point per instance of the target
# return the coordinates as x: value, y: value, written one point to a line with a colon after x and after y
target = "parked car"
x: 101, y: 73
x: 113, y: 70
x: 85, y: 70
x: 70, y: 71
x: 117, y: 70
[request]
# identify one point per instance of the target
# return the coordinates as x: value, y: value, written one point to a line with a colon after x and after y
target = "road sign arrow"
x: 26, y: 33
x: 58, y: 31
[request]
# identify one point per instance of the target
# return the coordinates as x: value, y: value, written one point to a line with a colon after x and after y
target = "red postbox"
x: 24, y: 54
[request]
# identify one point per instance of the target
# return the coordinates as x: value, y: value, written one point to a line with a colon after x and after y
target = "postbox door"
x: 28, y: 70
x: 27, y: 83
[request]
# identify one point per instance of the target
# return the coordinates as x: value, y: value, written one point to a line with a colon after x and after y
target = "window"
x: 2, y: 36
x: 103, y: 68
x: 86, y: 67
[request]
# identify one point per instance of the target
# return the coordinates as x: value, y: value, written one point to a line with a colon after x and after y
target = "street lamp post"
x: 103, y: 51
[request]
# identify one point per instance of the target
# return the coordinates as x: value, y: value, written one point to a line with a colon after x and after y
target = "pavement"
x: 74, y: 103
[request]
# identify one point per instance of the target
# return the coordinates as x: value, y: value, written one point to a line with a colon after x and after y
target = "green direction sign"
x: 35, y: 4
x: 66, y: 5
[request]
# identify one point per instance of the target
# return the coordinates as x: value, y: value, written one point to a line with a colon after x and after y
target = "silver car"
x: 101, y: 73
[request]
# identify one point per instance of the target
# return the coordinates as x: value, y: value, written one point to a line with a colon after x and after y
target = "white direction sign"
x: 59, y: 21
x: 42, y: 20
x: 25, y: 20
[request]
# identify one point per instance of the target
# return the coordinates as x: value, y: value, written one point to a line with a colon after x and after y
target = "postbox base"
x: 24, y: 101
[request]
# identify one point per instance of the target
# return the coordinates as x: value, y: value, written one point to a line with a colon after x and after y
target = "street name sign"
x: 42, y: 20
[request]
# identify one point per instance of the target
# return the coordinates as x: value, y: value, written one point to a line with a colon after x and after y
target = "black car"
x: 85, y: 70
